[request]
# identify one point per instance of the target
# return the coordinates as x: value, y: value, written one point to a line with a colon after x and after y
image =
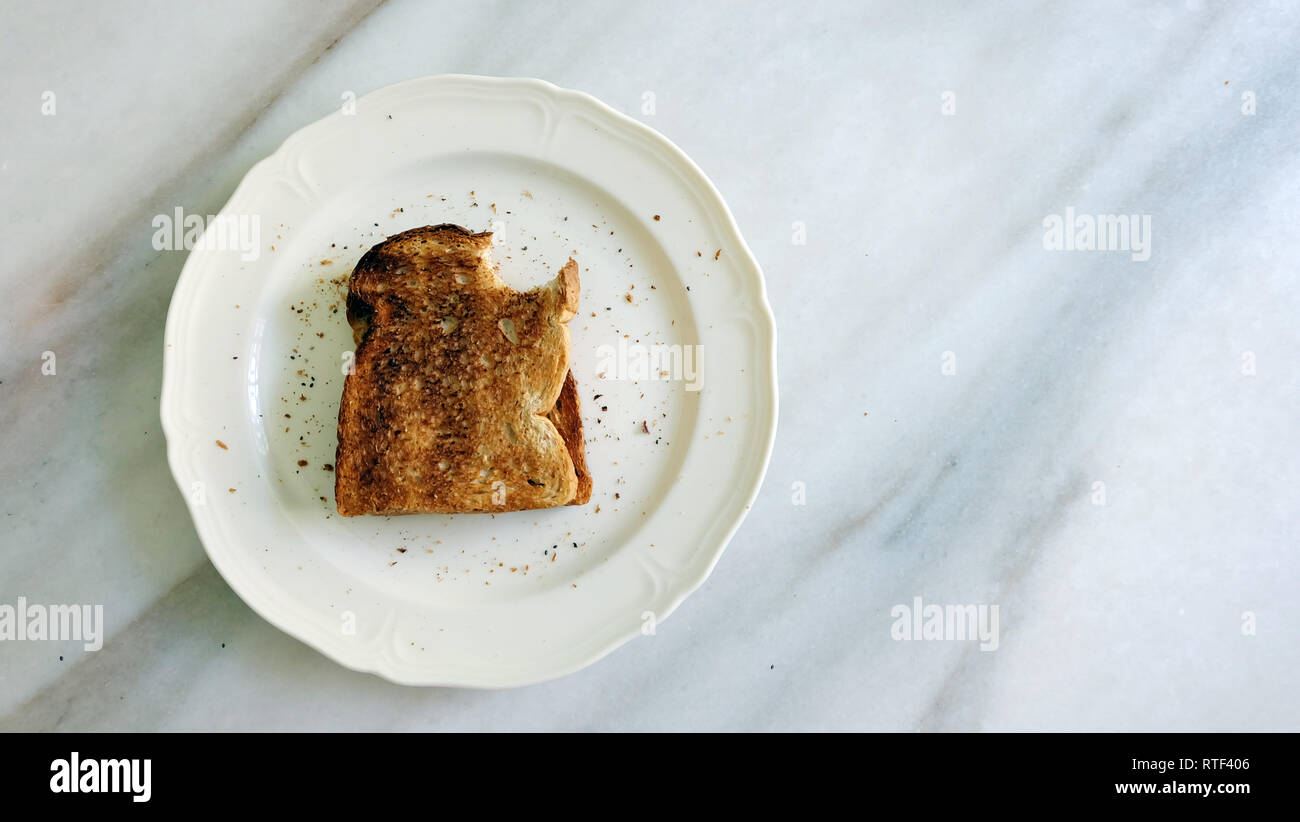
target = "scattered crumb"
x: 222, y: 446
x: 656, y: 218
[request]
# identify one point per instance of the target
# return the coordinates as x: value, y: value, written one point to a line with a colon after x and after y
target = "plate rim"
x: 765, y: 323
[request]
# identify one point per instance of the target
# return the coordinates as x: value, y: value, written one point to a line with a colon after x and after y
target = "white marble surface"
x: 924, y: 236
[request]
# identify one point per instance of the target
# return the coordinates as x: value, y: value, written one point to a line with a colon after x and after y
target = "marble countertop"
x: 976, y: 409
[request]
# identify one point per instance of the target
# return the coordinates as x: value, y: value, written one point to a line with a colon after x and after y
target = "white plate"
x: 473, y: 600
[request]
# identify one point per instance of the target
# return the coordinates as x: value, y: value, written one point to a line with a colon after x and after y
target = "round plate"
x: 674, y: 350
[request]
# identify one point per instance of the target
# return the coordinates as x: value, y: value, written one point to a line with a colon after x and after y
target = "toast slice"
x: 461, y: 400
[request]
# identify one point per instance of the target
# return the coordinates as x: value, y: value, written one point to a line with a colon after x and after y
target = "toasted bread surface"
x: 461, y: 400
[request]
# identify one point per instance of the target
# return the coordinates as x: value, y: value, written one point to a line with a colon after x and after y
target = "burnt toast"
x: 460, y: 399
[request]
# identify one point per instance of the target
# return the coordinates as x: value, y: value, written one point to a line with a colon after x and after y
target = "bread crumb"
x: 222, y: 446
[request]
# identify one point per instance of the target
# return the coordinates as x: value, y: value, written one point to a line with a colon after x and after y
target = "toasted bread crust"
x: 461, y: 400
x: 567, y: 418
